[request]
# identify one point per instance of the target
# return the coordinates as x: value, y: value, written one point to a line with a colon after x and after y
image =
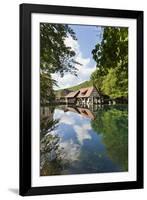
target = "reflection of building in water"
x: 86, y: 113
x: 71, y: 109
x: 85, y: 110
x: 82, y: 111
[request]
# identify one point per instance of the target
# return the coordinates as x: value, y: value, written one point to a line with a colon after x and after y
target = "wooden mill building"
x: 82, y: 96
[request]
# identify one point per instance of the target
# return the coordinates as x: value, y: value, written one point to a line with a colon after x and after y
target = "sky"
x: 87, y: 38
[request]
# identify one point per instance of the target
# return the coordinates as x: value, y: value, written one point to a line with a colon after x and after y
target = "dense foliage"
x: 111, y: 56
x: 55, y: 56
x: 46, y: 87
x: 97, y: 80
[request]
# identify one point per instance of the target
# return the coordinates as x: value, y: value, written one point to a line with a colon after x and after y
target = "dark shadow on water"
x: 14, y: 190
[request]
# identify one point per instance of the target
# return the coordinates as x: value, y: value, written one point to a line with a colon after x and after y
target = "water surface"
x: 77, y: 140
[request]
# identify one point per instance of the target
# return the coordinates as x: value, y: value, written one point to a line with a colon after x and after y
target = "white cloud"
x: 87, y: 126
x: 84, y: 70
x: 62, y: 116
x: 58, y: 113
x: 66, y: 120
x: 69, y: 42
x: 82, y: 132
x: 71, y: 149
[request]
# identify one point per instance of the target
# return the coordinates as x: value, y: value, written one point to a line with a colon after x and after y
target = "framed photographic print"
x: 81, y: 99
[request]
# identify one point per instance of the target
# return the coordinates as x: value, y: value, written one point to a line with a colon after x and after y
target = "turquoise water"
x: 83, y: 140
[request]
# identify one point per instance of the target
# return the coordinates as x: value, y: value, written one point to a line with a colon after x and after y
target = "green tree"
x: 112, y: 52
x: 46, y: 88
x: 115, y: 86
x: 97, y: 80
x: 55, y: 56
x: 111, y: 56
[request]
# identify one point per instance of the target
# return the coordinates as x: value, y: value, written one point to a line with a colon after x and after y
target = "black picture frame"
x: 25, y: 187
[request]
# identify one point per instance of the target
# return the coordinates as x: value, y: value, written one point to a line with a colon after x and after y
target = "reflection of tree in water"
x: 47, y: 126
x: 113, y: 125
x: 51, y: 154
x: 51, y: 160
x: 47, y: 123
